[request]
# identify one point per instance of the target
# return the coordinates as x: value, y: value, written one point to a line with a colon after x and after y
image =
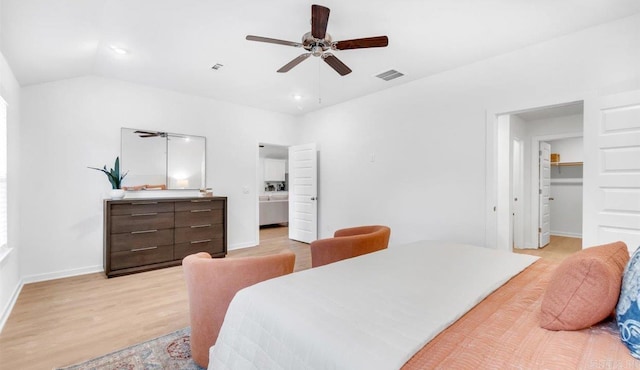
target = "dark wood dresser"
x: 152, y: 233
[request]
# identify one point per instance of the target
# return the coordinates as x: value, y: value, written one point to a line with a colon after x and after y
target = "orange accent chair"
x: 347, y: 243
x: 213, y: 282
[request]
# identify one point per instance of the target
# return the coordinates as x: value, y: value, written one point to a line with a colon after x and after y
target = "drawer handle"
x: 200, y: 210
x: 199, y: 226
x: 144, y: 231
x: 143, y: 249
x: 144, y: 214
x: 143, y: 203
x: 200, y: 200
x: 200, y: 241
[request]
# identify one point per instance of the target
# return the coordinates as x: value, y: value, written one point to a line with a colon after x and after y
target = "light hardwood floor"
x: 62, y: 322
x: 66, y: 321
x: 558, y: 249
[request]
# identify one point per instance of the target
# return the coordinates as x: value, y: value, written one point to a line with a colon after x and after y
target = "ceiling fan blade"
x: 336, y: 64
x: 368, y: 42
x: 319, y: 21
x: 145, y: 133
x: 273, y: 41
x: 299, y: 59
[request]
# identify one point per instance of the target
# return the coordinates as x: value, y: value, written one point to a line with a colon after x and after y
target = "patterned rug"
x: 169, y: 352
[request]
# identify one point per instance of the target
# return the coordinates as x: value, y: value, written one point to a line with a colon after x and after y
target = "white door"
x: 612, y: 200
x: 303, y: 193
x: 544, y: 189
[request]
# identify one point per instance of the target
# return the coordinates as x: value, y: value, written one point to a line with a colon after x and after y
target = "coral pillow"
x: 628, y: 309
x: 585, y: 288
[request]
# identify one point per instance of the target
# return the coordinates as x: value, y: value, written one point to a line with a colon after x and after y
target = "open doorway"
x: 526, y: 207
x: 273, y: 190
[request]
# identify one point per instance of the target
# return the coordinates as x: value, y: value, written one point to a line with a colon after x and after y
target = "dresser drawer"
x: 141, y: 256
x: 141, y: 222
x: 197, y: 217
x: 213, y: 247
x: 141, y: 207
x: 199, y: 204
x: 196, y: 233
x: 141, y: 239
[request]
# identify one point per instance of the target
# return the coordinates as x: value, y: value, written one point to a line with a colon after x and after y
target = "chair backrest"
x: 348, y: 243
x: 213, y: 282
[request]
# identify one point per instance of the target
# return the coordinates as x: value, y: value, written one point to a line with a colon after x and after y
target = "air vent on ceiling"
x: 390, y: 75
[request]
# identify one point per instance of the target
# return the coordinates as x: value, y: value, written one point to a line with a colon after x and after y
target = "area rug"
x: 169, y: 352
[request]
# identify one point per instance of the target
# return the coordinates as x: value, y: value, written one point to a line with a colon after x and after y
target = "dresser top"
x: 163, y: 199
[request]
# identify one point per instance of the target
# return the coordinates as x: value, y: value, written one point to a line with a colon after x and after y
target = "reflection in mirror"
x: 161, y: 160
x: 185, y: 164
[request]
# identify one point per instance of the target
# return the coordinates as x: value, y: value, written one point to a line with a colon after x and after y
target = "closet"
x: 566, y: 187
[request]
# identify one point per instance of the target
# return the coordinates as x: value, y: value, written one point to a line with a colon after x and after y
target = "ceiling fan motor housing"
x: 316, y: 46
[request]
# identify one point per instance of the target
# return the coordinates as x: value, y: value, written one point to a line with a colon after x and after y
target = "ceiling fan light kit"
x: 318, y: 43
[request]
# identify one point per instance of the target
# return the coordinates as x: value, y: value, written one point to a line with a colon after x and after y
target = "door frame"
x: 517, y: 183
x: 535, y: 205
x: 497, y: 195
x: 258, y: 180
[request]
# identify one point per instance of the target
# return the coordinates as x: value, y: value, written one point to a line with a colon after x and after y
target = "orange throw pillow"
x: 584, y: 289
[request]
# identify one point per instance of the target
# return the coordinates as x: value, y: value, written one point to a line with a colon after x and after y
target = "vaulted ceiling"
x: 173, y: 44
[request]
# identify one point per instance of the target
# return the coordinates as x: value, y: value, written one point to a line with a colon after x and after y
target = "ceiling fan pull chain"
x: 319, y: 82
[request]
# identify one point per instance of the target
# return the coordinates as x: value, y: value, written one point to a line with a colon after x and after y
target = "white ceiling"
x: 172, y: 44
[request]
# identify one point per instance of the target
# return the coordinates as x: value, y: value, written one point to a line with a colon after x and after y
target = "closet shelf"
x: 571, y: 181
x: 566, y: 163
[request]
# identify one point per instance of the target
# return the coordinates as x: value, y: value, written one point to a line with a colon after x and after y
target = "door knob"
x: 314, y: 198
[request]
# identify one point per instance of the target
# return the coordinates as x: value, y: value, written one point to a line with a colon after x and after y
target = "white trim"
x: 6, y: 312
x: 61, y: 274
x: 242, y: 245
x: 567, y: 235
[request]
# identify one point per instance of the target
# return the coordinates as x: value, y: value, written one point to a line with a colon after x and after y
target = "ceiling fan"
x: 150, y: 133
x: 318, y: 42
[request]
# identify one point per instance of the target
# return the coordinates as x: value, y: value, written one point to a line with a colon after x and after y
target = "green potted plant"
x: 115, y: 178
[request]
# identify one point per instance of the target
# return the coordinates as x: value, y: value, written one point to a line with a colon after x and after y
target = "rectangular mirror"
x: 162, y: 160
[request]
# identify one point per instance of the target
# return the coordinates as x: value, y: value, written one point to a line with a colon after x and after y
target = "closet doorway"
x: 560, y: 203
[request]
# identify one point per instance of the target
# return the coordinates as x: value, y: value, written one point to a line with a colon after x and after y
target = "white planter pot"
x: 117, y: 193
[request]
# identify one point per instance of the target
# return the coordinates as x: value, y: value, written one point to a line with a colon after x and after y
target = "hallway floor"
x: 558, y: 249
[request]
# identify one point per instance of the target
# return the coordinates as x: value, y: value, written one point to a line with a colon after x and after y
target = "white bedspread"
x: 370, y: 312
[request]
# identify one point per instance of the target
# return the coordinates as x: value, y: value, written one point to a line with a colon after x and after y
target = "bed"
x: 409, y: 307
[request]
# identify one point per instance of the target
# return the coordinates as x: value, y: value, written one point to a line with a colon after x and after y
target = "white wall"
x: 570, y: 150
x: 9, y: 266
x: 428, y: 136
x: 71, y: 124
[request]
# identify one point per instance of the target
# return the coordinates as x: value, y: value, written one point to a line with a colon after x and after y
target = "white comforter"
x: 370, y: 312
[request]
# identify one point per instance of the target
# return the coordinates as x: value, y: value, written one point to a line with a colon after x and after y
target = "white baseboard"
x: 9, y: 307
x: 61, y: 274
x: 566, y: 234
x: 242, y: 245
x: 527, y: 247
